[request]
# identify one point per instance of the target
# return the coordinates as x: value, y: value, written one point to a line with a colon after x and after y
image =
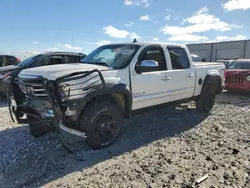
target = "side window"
x: 55, y: 60
x: 38, y: 63
x: 48, y: 60
x: 154, y: 53
x: 179, y: 58
x: 72, y: 59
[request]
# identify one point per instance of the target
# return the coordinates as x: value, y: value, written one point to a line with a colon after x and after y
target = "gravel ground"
x: 167, y: 147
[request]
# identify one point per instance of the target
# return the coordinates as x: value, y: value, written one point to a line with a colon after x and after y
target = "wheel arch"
x: 118, y: 94
x: 214, y: 76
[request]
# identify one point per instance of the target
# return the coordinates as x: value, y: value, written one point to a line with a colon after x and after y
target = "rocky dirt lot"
x: 167, y: 147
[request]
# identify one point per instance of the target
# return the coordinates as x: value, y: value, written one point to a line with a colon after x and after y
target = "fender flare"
x: 111, y: 88
x: 214, y: 75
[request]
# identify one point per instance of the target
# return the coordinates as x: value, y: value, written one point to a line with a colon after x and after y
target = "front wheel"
x: 102, y: 124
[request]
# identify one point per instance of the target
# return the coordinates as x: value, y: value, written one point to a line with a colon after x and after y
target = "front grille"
x: 33, y: 89
x: 38, y: 91
x: 235, y: 79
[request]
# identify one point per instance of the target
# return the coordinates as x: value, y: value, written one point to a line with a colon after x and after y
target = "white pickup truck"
x: 91, y: 99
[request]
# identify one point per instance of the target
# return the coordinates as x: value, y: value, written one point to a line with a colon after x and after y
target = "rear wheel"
x: 102, y: 124
x: 206, y: 100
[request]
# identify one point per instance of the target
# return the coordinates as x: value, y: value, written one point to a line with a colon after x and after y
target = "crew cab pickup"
x: 91, y: 99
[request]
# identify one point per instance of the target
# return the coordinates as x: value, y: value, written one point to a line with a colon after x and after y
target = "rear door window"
x: 179, y: 58
x: 54, y: 60
x: 72, y: 59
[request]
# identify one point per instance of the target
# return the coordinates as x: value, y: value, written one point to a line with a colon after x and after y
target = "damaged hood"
x: 53, y: 72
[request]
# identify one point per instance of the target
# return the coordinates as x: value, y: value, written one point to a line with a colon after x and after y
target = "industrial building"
x: 221, y: 50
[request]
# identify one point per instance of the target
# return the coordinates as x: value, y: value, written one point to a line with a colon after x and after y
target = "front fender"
x: 118, y: 88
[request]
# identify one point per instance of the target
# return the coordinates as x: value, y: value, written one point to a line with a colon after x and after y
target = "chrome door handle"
x: 165, y: 78
x: 189, y: 75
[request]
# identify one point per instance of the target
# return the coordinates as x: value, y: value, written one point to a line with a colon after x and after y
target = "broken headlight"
x: 64, y: 91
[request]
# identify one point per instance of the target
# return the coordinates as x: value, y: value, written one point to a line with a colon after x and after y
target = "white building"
x: 221, y: 50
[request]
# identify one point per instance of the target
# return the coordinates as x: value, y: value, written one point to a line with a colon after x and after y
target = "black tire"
x: 206, y: 100
x: 102, y: 123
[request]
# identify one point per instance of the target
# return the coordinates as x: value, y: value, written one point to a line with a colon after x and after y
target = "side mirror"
x: 147, y: 66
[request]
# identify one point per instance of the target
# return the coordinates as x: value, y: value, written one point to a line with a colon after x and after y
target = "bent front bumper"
x: 72, y: 131
x: 65, y: 96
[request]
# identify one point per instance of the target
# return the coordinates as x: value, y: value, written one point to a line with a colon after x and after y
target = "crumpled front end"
x: 59, y: 102
x: 28, y: 101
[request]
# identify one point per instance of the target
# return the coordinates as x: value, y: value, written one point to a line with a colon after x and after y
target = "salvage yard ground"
x: 167, y: 147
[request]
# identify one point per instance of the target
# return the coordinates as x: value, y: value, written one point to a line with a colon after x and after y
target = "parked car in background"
x: 6, y: 60
x: 237, y: 75
x: 43, y: 59
x: 226, y: 62
x: 196, y: 58
x: 92, y: 98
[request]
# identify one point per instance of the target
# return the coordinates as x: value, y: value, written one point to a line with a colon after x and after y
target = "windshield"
x: 115, y: 56
x: 239, y: 65
x: 29, y: 60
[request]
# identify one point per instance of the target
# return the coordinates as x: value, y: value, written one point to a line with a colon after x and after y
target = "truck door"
x: 149, y: 87
x: 181, y: 73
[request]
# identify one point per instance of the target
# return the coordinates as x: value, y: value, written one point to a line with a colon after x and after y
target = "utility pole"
x: 201, y: 37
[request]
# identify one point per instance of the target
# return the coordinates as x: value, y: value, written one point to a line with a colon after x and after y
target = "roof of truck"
x: 145, y: 43
x: 66, y: 53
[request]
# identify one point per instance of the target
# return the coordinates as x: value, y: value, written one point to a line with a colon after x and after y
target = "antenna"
x: 134, y: 41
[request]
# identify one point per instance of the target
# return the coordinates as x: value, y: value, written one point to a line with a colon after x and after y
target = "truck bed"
x: 202, y: 68
x: 201, y: 64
